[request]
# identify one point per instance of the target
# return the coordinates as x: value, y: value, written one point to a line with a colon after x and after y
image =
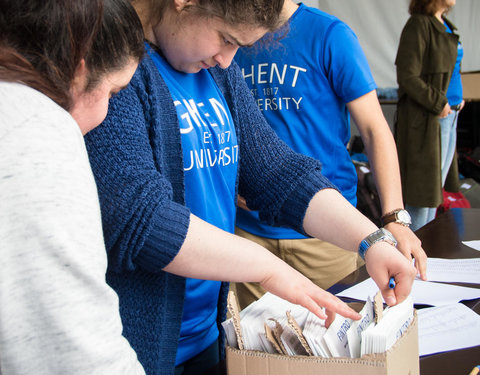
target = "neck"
x: 439, y: 14
x: 289, y: 7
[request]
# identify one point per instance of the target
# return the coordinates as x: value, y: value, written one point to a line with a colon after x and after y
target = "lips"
x: 207, y: 66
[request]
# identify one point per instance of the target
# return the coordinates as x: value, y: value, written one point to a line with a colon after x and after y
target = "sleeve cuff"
x: 295, y: 207
x: 166, y: 237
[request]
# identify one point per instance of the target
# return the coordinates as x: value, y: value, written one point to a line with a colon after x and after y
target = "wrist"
x: 381, y: 234
x: 397, y: 216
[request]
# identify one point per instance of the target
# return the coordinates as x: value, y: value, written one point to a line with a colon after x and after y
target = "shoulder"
x: 419, y: 21
x: 41, y: 117
x: 310, y: 19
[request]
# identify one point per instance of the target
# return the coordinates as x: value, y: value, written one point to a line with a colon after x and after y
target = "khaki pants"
x: 320, y: 261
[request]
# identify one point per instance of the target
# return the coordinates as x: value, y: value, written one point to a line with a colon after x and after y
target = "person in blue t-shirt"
x: 430, y: 96
x: 177, y: 147
x: 307, y: 84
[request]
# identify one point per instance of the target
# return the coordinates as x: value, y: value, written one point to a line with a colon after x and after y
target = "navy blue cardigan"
x: 136, y: 157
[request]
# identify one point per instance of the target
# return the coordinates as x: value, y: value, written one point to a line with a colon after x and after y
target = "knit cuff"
x: 166, y: 237
x: 295, y: 207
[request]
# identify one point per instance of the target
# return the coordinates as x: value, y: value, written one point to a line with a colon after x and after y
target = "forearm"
x: 330, y: 217
x: 382, y: 155
x: 211, y: 253
x: 380, y: 148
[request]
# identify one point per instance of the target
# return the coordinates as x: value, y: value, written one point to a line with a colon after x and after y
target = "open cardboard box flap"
x: 401, y: 359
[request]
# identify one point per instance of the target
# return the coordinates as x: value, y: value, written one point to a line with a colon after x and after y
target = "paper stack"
x: 274, y: 325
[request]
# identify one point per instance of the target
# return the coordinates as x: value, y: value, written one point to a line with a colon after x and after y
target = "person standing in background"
x: 430, y: 96
x: 60, y: 61
x: 307, y: 83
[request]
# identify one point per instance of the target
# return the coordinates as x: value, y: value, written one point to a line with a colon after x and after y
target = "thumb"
x: 389, y: 296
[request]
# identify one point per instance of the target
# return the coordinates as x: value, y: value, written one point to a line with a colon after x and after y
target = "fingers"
x: 331, y: 317
x: 333, y: 305
x: 389, y: 296
x: 311, y: 305
x: 385, y: 262
x: 421, y: 263
x: 410, y: 246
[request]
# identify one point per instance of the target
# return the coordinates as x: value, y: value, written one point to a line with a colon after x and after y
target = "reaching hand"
x: 410, y: 245
x: 384, y: 261
x: 292, y: 286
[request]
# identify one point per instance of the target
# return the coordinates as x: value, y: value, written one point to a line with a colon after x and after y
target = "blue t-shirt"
x: 455, y: 89
x: 210, y: 156
x: 302, y: 85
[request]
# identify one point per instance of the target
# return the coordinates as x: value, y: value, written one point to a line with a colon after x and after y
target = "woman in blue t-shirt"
x: 177, y: 147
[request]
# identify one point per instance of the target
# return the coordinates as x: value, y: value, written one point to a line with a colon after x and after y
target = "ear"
x: 181, y: 4
x: 79, y: 81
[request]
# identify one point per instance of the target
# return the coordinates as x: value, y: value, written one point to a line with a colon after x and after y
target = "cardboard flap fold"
x: 272, y: 339
x: 298, y: 332
x: 232, y: 307
x: 378, y: 306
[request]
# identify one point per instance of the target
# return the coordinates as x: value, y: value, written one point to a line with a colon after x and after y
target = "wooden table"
x: 442, y: 238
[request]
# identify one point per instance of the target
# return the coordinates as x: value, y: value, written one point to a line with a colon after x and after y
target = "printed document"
x: 448, y: 327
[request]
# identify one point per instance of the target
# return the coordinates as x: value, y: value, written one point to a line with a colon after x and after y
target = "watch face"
x: 404, y: 216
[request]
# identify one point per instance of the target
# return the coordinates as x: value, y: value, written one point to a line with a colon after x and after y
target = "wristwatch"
x: 380, y: 235
x: 399, y: 216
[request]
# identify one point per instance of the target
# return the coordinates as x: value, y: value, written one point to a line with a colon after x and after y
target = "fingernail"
x: 390, y: 301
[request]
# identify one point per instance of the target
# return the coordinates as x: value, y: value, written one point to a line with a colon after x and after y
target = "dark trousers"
x: 204, y: 363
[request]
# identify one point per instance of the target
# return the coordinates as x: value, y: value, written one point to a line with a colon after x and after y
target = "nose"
x: 225, y: 56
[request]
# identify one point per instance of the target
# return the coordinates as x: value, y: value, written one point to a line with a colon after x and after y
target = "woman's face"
x: 90, y: 108
x: 445, y: 4
x: 191, y: 43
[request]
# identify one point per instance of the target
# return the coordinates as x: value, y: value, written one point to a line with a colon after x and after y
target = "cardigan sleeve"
x: 274, y: 179
x: 412, y: 52
x: 143, y: 225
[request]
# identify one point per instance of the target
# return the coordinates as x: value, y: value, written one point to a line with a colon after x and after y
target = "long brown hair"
x: 43, y: 42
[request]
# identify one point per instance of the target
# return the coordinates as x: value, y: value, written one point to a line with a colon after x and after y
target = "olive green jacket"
x: 425, y: 61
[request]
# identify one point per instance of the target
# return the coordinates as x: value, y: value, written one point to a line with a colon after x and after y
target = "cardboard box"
x: 401, y: 359
x: 471, y: 85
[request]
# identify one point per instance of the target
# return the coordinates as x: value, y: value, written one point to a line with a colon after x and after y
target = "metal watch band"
x: 379, y: 235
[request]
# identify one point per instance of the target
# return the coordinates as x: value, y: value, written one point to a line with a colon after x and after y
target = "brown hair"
x: 426, y: 7
x: 43, y: 42
x: 257, y: 13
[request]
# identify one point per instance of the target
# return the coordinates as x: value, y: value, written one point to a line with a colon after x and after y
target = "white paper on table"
x: 473, y: 244
x: 423, y: 292
x: 454, y: 270
x: 448, y: 327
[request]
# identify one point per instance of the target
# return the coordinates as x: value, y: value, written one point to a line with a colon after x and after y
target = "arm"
x: 144, y: 220
x: 332, y: 218
x: 412, y: 51
x: 382, y: 154
x: 211, y: 253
